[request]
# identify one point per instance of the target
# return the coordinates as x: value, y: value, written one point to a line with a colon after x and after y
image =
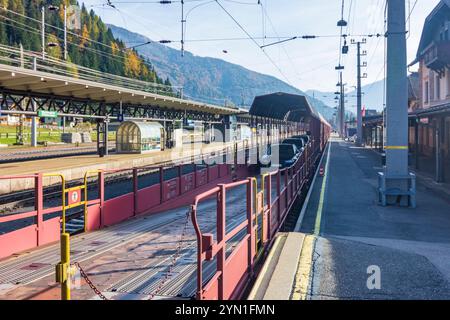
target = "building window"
x: 448, y: 83
x: 431, y: 89
x: 427, y: 92
x: 438, y: 87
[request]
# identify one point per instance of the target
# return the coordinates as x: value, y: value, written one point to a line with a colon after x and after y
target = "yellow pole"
x: 63, y: 269
x: 63, y: 205
x: 65, y: 263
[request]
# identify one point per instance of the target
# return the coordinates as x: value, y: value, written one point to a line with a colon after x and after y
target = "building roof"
x: 375, y: 119
x: 146, y: 129
x: 440, y: 109
x: 431, y: 23
x: 283, y: 106
x: 413, y: 86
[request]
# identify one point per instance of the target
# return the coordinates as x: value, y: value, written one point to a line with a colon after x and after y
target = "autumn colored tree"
x: 54, y: 48
x: 132, y: 64
x: 92, y: 45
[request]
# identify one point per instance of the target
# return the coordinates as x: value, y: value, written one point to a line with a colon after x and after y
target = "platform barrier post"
x: 278, y: 193
x: 221, y: 234
x: 250, y: 229
x: 101, y: 195
x: 64, y: 269
x: 195, y: 175
x: 292, y: 179
x: 180, y: 173
x: 135, y: 190
x: 39, y: 206
x: 161, y: 185
x: 269, y: 204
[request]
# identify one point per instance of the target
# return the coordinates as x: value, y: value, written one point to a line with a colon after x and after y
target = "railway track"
x: 44, y: 153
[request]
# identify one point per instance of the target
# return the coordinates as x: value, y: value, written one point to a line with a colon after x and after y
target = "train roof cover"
x: 284, y: 106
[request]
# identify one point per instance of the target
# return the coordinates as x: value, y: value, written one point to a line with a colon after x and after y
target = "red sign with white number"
x: 74, y: 196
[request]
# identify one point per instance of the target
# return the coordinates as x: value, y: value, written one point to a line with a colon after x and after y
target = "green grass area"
x: 45, y: 134
x: 111, y: 136
x: 8, y: 141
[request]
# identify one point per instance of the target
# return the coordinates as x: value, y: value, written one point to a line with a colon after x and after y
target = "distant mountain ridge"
x: 208, y: 79
x: 372, y: 97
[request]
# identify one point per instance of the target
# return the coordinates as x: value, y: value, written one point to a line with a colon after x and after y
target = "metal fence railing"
x: 34, y: 61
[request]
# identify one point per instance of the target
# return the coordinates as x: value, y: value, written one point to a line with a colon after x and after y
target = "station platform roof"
x: 23, y: 80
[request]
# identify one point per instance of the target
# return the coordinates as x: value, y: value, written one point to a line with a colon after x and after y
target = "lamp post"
x: 53, y: 8
x: 341, y: 113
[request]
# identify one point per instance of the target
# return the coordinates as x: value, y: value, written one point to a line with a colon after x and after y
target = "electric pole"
x: 396, y: 175
x: 396, y: 91
x: 342, y: 107
x: 359, y: 119
x: 34, y: 118
x: 65, y: 33
x: 183, y: 21
x: 43, y: 31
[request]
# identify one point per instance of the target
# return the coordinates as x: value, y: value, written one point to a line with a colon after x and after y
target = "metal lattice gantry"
x: 29, y: 84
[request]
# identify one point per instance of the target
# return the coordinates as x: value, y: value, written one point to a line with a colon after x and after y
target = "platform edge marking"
x: 303, y: 276
x: 322, y: 194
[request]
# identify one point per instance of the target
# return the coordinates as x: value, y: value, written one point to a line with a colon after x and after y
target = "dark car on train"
x: 298, y: 142
x: 281, y: 155
x: 304, y: 137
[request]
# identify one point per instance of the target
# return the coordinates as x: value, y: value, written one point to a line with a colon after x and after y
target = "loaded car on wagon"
x: 281, y: 155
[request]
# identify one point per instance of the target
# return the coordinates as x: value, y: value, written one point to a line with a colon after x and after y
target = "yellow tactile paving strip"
x: 303, y: 276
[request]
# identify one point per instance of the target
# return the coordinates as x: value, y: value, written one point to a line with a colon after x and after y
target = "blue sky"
x: 306, y: 64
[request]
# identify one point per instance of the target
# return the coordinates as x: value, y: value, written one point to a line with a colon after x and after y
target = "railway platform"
x: 13, y: 154
x: 347, y: 246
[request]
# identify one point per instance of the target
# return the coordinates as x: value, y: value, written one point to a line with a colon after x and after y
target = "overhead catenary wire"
x: 24, y: 27
x: 254, y: 41
x: 27, y: 28
x: 102, y: 53
x: 283, y: 40
x: 412, y: 10
x: 408, y: 19
x: 55, y: 27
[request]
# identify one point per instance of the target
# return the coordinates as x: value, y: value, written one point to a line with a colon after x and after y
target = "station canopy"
x: 21, y: 80
x: 283, y: 106
x: 139, y: 137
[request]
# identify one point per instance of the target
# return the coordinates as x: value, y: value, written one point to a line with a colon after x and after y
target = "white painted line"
x: 318, y: 222
x: 298, y: 225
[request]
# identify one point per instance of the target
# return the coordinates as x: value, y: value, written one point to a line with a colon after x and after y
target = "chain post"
x: 89, y: 282
x: 63, y: 269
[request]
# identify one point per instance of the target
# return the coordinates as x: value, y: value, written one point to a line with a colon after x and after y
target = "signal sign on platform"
x: 47, y: 114
x: 74, y: 197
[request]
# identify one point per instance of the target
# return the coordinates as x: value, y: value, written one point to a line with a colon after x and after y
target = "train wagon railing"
x: 44, y: 226
x: 161, y: 195
x: 266, y: 210
x: 233, y: 271
x: 40, y: 221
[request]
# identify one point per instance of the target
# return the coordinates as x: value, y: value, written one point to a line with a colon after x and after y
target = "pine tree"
x: 94, y: 47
